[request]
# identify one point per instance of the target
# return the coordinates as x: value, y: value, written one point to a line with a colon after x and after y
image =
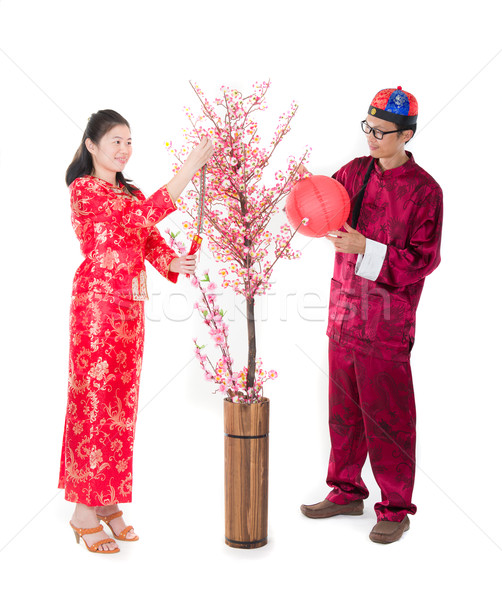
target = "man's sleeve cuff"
x: 370, y: 263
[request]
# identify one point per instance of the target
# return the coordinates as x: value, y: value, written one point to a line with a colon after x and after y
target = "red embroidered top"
x: 402, y: 212
x: 117, y: 233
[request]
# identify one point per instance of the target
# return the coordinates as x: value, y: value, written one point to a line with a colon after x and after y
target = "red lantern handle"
x: 196, y: 242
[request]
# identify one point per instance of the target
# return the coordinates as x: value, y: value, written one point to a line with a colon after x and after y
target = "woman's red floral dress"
x: 117, y: 233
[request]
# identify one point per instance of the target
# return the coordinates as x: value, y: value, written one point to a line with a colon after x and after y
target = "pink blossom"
x: 219, y: 339
x: 237, y: 223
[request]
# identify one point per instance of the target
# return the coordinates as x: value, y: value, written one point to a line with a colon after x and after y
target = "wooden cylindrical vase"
x: 246, y: 473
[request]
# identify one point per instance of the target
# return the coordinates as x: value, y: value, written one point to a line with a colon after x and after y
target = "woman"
x: 115, y: 225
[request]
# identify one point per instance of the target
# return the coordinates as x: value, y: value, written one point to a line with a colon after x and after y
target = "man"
x: 382, y: 259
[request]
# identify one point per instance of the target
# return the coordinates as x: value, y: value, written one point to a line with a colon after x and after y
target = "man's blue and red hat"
x: 395, y: 105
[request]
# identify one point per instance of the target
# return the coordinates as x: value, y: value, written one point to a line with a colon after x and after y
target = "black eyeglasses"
x: 376, y: 132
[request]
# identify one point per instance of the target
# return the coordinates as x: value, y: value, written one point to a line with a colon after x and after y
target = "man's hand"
x: 303, y: 171
x: 350, y: 241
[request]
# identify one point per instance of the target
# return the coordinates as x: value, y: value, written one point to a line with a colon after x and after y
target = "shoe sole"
x: 313, y: 515
x: 389, y: 540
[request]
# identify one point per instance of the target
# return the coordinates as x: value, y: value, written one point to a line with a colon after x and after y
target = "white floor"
x: 178, y: 512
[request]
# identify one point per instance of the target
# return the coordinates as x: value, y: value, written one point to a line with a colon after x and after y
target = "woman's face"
x: 113, y: 151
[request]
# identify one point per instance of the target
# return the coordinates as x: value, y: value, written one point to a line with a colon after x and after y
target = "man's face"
x: 391, y: 144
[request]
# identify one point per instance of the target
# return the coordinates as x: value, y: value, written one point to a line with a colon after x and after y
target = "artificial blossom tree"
x: 238, y: 221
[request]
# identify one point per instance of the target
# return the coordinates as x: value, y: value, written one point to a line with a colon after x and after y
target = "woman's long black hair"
x: 98, y: 125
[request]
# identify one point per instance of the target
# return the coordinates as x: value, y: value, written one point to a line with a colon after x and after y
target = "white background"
x: 62, y: 60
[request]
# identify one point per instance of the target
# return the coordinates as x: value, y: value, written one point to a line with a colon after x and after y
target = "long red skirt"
x: 106, y: 350
x: 371, y: 411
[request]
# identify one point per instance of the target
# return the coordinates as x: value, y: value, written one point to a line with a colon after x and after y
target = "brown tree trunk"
x: 251, y: 343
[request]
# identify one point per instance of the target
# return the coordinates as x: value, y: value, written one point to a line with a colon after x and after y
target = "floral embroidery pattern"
x: 96, y: 459
x: 117, y: 233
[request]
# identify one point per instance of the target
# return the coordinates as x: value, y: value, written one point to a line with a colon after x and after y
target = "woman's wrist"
x: 193, y: 163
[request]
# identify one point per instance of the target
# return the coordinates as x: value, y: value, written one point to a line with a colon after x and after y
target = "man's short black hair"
x: 413, y: 128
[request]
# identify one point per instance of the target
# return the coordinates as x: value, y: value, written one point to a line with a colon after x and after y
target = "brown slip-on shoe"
x: 325, y: 509
x: 386, y: 532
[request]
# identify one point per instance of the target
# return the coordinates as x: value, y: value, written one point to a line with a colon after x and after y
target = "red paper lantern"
x: 322, y: 200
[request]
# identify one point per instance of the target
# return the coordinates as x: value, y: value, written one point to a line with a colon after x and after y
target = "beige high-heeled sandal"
x: 80, y: 532
x: 122, y: 536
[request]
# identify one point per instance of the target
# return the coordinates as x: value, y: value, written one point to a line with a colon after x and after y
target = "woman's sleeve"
x: 88, y: 203
x: 405, y: 266
x: 149, y: 211
x: 160, y: 255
